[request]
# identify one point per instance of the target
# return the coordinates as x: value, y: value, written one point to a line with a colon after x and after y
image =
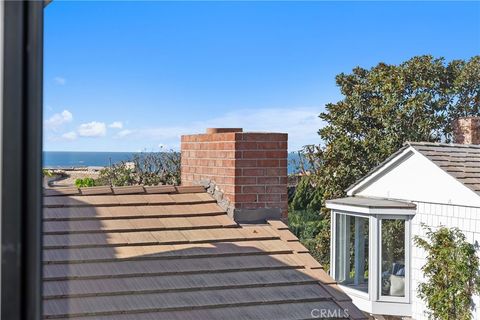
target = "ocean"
x: 63, y: 159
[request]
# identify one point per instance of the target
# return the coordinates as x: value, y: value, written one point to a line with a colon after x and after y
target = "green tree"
x: 451, y: 273
x: 383, y: 107
x: 388, y: 105
x: 309, y: 227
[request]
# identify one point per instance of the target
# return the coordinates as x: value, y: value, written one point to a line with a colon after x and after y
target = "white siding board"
x: 467, y: 220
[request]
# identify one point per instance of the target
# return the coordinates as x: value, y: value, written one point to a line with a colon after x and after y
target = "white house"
x: 431, y: 183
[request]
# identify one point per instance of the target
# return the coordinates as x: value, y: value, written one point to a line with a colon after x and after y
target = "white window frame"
x: 374, y: 299
x: 380, y: 297
x: 350, y: 290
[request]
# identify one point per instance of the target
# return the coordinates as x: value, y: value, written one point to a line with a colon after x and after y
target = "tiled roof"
x: 173, y: 253
x: 459, y: 160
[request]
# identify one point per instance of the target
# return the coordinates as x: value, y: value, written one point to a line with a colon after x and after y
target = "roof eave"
x: 384, y: 167
x: 371, y: 211
x: 392, y: 208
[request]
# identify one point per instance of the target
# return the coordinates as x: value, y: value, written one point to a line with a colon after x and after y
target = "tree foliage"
x: 388, y: 105
x: 451, y: 273
x: 309, y: 226
x: 383, y: 107
x: 308, y: 192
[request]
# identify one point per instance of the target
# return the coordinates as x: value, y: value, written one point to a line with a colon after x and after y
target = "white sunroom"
x: 370, y: 252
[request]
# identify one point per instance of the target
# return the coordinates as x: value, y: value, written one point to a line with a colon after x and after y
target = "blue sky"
x: 131, y: 76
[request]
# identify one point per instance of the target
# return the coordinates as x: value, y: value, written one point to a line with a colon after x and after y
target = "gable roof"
x: 172, y: 253
x: 458, y: 160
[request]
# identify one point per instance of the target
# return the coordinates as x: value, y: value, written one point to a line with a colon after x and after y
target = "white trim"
x: 369, y: 211
x: 352, y: 292
x: 333, y: 239
x: 379, y: 307
x: 333, y: 234
x: 373, y: 256
x: 406, y: 297
x: 379, y: 172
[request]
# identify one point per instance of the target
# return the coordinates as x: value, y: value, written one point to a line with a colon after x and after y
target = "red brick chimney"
x: 466, y: 130
x: 245, y: 171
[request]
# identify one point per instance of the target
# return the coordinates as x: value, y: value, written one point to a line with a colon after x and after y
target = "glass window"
x: 351, y: 251
x: 393, y: 257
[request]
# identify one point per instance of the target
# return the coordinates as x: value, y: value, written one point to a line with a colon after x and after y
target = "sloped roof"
x: 462, y: 161
x: 173, y: 253
x: 367, y: 202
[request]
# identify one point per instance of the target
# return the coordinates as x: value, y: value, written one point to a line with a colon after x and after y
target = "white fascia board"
x: 369, y: 211
x: 404, y: 155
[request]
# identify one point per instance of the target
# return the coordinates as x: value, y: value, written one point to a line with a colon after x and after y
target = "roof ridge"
x: 441, y: 144
x: 121, y: 190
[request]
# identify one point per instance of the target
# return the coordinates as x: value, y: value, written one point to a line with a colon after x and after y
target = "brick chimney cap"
x: 223, y: 130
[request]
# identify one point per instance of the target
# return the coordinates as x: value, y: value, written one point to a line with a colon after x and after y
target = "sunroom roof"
x: 371, y: 205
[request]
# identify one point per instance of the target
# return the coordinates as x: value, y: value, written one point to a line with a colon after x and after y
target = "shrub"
x: 451, y: 273
x: 158, y: 168
x: 116, y: 175
x: 152, y: 168
x: 85, y: 182
x: 47, y: 173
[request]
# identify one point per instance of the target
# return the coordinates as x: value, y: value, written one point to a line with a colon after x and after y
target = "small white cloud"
x: 124, y: 133
x: 72, y: 135
x: 58, y: 119
x: 116, y: 125
x: 60, y: 80
x: 92, y: 129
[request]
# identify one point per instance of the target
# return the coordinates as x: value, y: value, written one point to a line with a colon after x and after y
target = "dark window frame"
x: 21, y: 214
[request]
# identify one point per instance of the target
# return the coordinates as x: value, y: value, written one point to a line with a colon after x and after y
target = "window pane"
x: 393, y: 258
x: 351, y: 250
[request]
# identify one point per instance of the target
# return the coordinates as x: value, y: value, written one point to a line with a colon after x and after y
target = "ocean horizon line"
x: 84, y: 159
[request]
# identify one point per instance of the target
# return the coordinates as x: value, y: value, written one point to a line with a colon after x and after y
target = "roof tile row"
x: 173, y: 253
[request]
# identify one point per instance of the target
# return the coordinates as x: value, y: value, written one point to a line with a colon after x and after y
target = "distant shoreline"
x: 79, y: 168
x: 67, y: 177
x: 83, y: 160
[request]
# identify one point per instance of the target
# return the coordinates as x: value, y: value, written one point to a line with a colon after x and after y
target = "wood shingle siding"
x: 172, y: 253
